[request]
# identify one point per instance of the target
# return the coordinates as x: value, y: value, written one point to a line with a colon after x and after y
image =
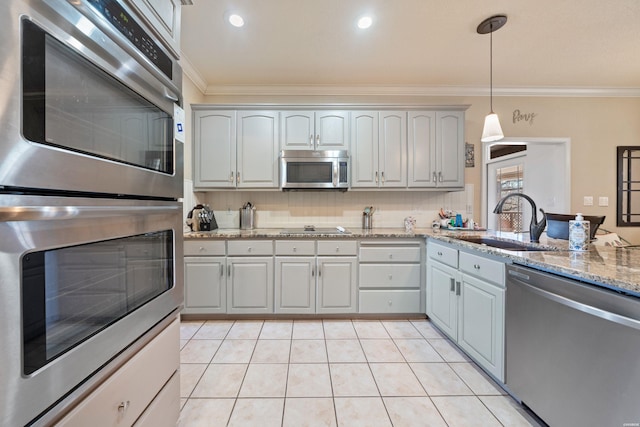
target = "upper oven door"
x: 85, y: 110
x: 82, y: 279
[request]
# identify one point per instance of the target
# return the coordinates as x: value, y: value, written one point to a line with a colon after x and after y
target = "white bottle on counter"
x: 579, y: 233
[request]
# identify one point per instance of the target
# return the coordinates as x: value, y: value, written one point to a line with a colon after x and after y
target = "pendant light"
x: 492, y: 130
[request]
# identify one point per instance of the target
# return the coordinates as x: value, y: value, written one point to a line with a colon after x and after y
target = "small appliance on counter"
x: 201, y: 218
x: 367, y: 218
x: 247, y: 216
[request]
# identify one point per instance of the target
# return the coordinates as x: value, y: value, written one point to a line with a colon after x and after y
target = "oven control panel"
x: 128, y: 27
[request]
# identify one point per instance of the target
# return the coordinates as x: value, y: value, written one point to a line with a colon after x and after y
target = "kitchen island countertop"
x: 615, y: 268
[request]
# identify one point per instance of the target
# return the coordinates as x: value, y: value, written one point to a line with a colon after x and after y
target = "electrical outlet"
x: 588, y: 201
x: 603, y: 201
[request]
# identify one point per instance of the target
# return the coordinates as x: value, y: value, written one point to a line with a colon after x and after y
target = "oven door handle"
x: 40, y: 213
x: 585, y: 308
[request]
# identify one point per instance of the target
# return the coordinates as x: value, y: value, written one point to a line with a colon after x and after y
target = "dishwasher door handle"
x: 585, y: 308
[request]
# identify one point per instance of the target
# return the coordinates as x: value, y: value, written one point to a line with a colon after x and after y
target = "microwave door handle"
x: 335, y: 173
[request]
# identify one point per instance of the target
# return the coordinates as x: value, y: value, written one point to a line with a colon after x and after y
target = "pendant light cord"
x: 491, y: 68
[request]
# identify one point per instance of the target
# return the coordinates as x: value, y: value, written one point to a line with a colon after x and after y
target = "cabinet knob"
x: 249, y: 249
x: 390, y: 277
x: 337, y: 248
x: 476, y: 266
x: 201, y: 249
x: 390, y: 256
x: 390, y: 302
x: 439, y: 253
x: 295, y: 249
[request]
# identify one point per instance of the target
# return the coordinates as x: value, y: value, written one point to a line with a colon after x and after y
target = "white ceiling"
x: 567, y: 46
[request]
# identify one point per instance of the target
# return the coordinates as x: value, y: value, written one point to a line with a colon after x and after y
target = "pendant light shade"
x: 492, y: 130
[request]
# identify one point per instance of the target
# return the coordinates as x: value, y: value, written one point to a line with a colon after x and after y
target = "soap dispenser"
x: 579, y: 234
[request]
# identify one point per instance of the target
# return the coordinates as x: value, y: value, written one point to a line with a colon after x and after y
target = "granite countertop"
x: 615, y: 268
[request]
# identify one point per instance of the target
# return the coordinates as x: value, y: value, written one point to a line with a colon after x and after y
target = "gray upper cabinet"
x: 164, y: 17
x: 214, y: 151
x: 436, y: 149
x: 257, y: 149
x: 314, y: 130
x: 235, y: 149
x: 378, y: 149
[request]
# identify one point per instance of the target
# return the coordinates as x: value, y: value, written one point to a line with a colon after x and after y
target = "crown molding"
x: 192, y: 73
x: 435, y: 91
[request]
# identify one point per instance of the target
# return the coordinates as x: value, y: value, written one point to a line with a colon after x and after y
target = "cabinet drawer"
x: 165, y: 408
x: 337, y: 247
x: 134, y: 385
x: 483, y: 268
x: 390, y: 301
x: 444, y: 254
x: 250, y: 247
x: 389, y: 275
x: 295, y: 247
x: 204, y: 247
x: 390, y: 254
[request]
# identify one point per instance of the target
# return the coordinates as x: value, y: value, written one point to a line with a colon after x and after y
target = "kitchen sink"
x: 509, y: 245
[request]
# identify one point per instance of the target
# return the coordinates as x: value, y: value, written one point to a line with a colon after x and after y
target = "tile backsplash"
x: 275, y: 209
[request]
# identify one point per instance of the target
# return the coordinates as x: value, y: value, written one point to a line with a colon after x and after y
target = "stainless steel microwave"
x: 314, y: 170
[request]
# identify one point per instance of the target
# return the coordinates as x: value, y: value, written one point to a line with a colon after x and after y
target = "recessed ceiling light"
x: 365, y: 22
x: 236, y: 20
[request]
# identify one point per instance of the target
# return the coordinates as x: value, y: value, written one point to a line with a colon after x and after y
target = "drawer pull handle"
x: 439, y: 253
x: 476, y: 266
x: 123, y: 406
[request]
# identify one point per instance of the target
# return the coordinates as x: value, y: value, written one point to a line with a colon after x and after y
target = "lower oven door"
x: 81, y: 280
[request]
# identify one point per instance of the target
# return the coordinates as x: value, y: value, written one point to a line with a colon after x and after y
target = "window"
x: 628, y: 206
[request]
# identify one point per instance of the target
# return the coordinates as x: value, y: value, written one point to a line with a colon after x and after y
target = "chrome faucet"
x: 535, y: 228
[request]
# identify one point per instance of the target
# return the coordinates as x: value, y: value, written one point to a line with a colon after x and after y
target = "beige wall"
x: 594, y: 125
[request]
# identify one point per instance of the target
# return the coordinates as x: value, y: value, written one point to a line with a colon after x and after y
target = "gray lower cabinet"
x: 391, y: 276
x: 337, y: 285
x: 205, y: 277
x: 465, y: 299
x: 250, y: 276
x: 308, y: 280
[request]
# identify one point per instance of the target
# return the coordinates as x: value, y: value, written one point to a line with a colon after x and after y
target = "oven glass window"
x: 71, y: 293
x: 309, y: 172
x: 70, y: 103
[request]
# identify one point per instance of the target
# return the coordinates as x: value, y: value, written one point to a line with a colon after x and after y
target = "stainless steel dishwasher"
x: 572, y: 350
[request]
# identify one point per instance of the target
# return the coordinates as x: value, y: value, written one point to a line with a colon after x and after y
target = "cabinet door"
x: 205, y: 285
x: 337, y: 285
x: 422, y: 147
x: 364, y: 149
x: 295, y: 285
x: 332, y: 130
x: 392, y: 149
x: 250, y: 284
x: 164, y: 17
x: 442, y: 301
x: 257, y: 149
x: 450, y: 148
x: 297, y: 130
x: 481, y: 324
x: 214, y: 151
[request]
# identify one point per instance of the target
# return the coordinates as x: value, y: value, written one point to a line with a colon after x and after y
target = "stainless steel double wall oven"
x: 90, y: 182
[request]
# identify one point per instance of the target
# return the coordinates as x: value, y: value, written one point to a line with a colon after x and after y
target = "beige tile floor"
x: 333, y: 373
